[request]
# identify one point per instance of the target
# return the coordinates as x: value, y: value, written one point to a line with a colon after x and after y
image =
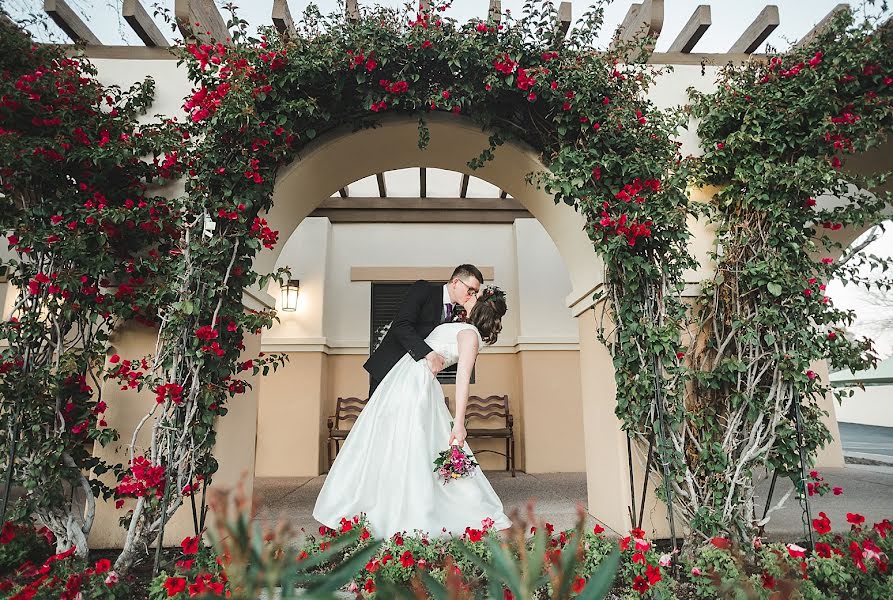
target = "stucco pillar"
x: 832, y: 454
x: 607, y: 461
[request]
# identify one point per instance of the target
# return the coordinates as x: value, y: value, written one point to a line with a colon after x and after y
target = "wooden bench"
x: 346, y: 411
x: 488, y: 408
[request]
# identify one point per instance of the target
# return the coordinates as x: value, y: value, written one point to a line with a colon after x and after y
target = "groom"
x: 425, y: 306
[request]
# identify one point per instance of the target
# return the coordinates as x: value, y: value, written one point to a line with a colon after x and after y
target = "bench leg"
x: 329, y: 454
x: 513, y: 454
x: 508, y: 455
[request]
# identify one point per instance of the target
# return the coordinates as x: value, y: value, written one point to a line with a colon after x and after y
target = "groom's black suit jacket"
x: 420, y: 312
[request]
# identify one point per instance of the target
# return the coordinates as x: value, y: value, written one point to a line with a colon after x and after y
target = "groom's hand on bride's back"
x: 435, y: 362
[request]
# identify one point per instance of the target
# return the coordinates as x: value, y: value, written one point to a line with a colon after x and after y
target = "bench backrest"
x: 348, y: 409
x: 488, y: 408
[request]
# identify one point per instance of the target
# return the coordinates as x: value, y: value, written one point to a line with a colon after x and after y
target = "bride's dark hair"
x: 488, y: 312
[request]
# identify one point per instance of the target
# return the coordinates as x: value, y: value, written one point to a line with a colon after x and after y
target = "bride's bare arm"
x: 468, y: 351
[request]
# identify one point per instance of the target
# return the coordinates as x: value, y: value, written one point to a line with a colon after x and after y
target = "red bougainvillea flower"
x: 505, y: 65
x: 169, y: 391
x: 837, y: 491
x: 578, y: 585
x: 525, y: 81
x: 206, y: 333
x: 855, y: 518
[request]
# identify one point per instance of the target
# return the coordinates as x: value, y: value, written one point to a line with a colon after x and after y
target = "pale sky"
x: 730, y: 19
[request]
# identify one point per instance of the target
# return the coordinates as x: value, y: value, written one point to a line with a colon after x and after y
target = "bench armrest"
x: 330, y: 423
x: 511, y: 420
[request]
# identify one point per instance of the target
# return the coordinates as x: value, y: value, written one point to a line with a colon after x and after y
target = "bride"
x: 386, y: 466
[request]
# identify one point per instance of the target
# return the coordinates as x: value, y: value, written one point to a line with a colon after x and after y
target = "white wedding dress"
x: 385, y: 468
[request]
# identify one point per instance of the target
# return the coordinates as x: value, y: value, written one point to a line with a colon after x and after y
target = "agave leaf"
x: 601, y: 581
x: 568, y: 565
x: 386, y: 589
x: 535, y: 562
x: 334, y: 550
x: 434, y: 587
x: 346, y: 570
x: 504, y: 565
x: 497, y: 577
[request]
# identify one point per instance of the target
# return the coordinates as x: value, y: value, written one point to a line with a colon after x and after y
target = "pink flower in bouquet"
x: 453, y: 464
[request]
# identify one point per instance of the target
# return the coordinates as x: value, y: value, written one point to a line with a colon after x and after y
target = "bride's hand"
x: 457, y: 435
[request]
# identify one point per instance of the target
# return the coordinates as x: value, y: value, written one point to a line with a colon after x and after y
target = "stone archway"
x: 343, y: 157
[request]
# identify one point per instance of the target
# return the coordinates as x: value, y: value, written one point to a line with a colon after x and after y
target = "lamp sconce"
x: 290, y: 295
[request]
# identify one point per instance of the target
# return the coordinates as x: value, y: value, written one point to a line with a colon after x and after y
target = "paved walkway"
x: 867, y: 490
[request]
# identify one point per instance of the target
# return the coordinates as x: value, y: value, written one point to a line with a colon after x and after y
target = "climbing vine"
x: 776, y: 136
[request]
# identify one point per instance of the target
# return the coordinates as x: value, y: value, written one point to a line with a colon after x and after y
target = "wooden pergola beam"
x: 503, y: 194
x: 421, y: 203
x: 822, y: 25
x: 282, y: 18
x: 758, y: 31
x: 344, y: 192
x: 142, y: 24
x: 68, y: 20
x: 629, y: 20
x: 463, y: 185
x: 209, y: 19
x: 421, y: 210
x: 693, y: 31
x: 382, y: 188
x: 564, y: 19
x: 352, y: 10
x: 494, y: 12
x: 642, y: 19
x: 423, y: 182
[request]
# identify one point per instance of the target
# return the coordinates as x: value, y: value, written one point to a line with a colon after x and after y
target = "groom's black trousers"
x: 373, y: 383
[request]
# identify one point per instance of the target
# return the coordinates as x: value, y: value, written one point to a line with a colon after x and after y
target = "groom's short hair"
x: 466, y: 271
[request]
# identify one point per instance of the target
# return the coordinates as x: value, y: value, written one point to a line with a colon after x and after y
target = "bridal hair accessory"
x: 491, y: 292
x: 453, y: 464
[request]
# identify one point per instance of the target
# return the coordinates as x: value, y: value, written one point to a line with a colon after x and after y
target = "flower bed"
x: 854, y: 564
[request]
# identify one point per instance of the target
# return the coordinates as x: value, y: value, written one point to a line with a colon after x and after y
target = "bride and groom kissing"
x: 384, y: 468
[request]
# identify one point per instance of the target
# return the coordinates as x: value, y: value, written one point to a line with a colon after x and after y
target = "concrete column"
x: 607, y: 462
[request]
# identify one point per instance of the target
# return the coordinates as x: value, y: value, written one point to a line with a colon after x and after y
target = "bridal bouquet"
x: 453, y: 464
